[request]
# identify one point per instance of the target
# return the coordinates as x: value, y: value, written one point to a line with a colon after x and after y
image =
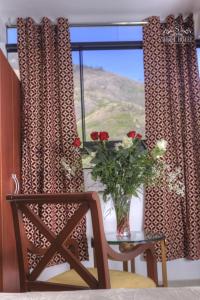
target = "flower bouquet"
x: 124, y: 168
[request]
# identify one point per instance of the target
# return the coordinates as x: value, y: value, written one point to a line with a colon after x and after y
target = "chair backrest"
x: 61, y: 242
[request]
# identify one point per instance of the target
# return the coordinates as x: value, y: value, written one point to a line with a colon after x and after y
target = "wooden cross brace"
x: 58, y: 244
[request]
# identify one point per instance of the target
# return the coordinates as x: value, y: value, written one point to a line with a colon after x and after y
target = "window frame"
x: 90, y: 46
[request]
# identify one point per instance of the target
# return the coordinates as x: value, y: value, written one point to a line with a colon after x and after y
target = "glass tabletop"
x: 135, y: 237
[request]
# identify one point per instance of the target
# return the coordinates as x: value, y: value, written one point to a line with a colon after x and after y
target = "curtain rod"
x: 96, y: 24
x: 128, y: 23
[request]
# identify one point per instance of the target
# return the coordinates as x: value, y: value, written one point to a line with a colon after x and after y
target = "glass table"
x: 140, y: 237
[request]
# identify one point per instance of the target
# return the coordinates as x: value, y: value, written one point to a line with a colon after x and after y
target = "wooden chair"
x: 78, y: 277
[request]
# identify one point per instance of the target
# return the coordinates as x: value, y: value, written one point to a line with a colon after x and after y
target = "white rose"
x: 93, y: 154
x: 162, y: 144
x: 127, y: 142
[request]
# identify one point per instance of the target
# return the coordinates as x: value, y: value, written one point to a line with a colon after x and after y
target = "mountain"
x: 113, y: 103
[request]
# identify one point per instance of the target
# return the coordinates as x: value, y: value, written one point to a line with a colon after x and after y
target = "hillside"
x: 112, y: 103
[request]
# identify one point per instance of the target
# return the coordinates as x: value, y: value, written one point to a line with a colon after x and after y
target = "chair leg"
x: 152, y: 265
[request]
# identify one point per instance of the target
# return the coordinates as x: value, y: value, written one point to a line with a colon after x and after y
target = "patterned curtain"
x: 172, y: 93
x: 49, y: 125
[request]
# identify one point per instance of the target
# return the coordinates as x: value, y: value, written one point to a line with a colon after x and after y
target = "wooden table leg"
x: 125, y: 266
x: 164, y: 263
x: 124, y: 247
x: 133, y: 265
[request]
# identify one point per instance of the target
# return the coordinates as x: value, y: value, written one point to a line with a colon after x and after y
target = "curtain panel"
x: 172, y: 95
x: 49, y: 124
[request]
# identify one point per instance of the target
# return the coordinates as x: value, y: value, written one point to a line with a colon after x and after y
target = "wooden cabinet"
x: 9, y: 164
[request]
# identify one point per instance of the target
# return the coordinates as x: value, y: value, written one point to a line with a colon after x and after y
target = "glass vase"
x: 122, y: 210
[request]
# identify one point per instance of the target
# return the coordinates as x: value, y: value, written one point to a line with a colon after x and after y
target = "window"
x: 106, y: 33
x: 113, y: 91
x: 108, y: 78
x: 11, y: 35
x: 198, y: 57
x: 77, y: 91
x: 112, y: 80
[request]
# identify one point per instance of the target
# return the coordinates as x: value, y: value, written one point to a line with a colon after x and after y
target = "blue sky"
x: 95, y: 34
x: 128, y: 63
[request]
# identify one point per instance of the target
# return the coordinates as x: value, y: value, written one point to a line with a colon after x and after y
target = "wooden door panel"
x: 16, y: 100
x: 6, y: 127
x: 9, y: 153
x: 1, y: 175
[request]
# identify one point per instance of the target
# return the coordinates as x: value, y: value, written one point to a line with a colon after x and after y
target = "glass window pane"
x: 94, y: 34
x: 106, y: 33
x: 114, y: 92
x: 12, y: 35
x: 77, y: 91
x: 198, y: 57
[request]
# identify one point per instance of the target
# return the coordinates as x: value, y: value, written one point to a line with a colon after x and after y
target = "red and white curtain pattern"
x: 172, y: 94
x: 49, y: 124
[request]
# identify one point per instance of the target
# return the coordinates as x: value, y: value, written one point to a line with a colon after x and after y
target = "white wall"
x: 197, y: 24
x: 2, y: 36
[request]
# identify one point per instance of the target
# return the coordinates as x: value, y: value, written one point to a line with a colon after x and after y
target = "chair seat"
x: 118, y: 279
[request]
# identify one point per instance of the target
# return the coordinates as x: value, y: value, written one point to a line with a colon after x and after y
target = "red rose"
x: 94, y: 135
x: 131, y: 134
x: 103, y: 136
x: 138, y: 136
x: 77, y: 142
